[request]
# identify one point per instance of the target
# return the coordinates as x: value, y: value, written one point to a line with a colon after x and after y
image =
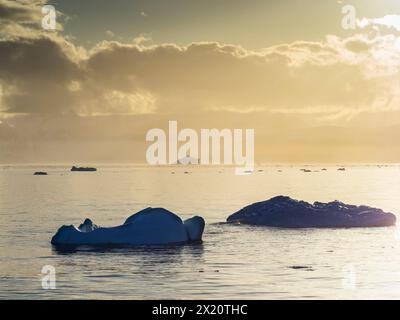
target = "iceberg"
x: 151, y: 226
x: 40, y: 173
x: 285, y: 212
x: 83, y: 169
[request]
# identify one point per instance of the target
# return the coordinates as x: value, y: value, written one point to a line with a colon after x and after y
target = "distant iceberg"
x: 83, y: 169
x: 151, y: 226
x: 285, y: 212
x: 40, y: 173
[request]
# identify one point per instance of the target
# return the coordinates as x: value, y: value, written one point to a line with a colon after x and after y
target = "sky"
x: 313, y: 91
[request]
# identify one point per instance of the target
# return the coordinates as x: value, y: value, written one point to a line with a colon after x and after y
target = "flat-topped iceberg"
x: 151, y: 226
x: 285, y: 212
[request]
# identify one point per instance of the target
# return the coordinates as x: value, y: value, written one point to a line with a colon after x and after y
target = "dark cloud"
x: 19, y: 11
x: 35, y: 75
x: 41, y: 59
x: 20, y: 17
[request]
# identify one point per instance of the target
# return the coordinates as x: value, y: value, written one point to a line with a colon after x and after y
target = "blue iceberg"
x: 151, y: 226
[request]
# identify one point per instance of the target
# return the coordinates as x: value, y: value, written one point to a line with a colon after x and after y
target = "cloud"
x: 389, y: 21
x: 212, y: 75
x: 142, y: 39
x: 110, y: 34
x: 35, y: 75
x: 20, y: 11
x: 22, y: 18
x: 118, y: 78
x: 357, y: 45
x: 19, y: 18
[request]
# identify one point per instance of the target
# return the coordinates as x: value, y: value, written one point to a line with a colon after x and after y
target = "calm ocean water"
x: 235, y: 262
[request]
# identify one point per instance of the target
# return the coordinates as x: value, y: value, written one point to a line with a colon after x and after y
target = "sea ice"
x: 151, y: 226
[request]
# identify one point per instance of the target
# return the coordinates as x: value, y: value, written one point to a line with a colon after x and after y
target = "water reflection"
x: 158, y: 250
